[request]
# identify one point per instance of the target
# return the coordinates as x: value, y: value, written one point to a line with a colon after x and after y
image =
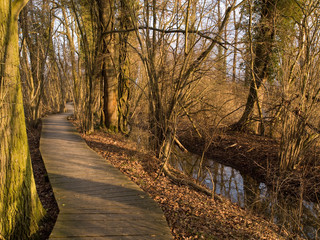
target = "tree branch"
x: 17, y: 6
x: 206, y: 52
x: 201, y: 34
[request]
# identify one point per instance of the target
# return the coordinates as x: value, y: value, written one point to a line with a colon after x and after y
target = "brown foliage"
x: 190, y: 214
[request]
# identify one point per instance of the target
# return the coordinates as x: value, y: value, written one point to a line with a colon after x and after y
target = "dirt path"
x: 96, y: 200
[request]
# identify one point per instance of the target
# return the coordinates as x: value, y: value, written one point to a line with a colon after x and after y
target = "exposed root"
x: 195, y: 186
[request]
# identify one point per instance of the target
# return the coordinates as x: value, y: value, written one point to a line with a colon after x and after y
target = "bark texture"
x: 20, y: 207
x: 106, y: 18
x: 123, y: 79
x: 260, y: 70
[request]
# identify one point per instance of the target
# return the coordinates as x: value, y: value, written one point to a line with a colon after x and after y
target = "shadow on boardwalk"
x: 96, y: 200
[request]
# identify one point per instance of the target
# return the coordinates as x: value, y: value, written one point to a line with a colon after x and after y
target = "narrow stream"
x: 302, y: 217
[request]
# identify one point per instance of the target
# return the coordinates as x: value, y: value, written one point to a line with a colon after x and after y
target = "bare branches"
x: 167, y: 31
x: 205, y: 53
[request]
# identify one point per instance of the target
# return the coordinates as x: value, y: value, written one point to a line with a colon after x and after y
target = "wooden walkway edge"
x: 96, y: 200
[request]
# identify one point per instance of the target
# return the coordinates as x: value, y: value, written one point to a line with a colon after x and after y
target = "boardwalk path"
x: 96, y: 200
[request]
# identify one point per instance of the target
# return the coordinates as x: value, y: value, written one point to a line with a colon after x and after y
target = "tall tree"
x: 108, y: 73
x: 36, y: 25
x: 300, y: 89
x: 123, y: 79
x: 261, y: 55
x: 237, y: 24
x: 221, y: 59
x: 20, y: 207
x: 85, y: 15
x: 72, y: 57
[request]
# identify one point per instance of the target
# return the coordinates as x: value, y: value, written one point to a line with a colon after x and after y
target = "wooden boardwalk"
x: 96, y: 200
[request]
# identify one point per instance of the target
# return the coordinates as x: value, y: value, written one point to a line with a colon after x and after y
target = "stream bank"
x: 243, y: 168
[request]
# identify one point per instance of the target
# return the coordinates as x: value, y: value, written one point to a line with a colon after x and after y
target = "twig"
x: 183, y: 148
x: 187, y: 182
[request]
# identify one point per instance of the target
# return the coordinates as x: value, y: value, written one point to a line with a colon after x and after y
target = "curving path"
x: 96, y: 200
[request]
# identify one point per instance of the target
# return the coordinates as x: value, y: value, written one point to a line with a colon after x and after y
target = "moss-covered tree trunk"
x: 123, y: 76
x: 261, y: 69
x: 106, y: 18
x: 20, y: 207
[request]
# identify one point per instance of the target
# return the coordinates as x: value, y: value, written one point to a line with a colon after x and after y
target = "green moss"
x: 113, y: 128
x: 20, y: 207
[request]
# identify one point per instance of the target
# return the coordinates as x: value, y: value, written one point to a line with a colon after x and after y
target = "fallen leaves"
x: 190, y: 214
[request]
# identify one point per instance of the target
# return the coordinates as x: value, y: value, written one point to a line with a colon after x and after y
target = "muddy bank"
x: 257, y: 157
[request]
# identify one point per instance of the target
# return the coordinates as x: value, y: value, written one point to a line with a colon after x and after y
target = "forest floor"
x: 190, y: 214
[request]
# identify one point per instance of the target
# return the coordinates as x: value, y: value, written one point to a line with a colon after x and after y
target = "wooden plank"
x: 110, y: 227
x: 112, y: 210
x: 107, y: 237
x: 96, y: 200
x: 109, y: 216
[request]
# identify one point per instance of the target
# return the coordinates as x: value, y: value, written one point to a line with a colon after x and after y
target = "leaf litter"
x: 190, y: 214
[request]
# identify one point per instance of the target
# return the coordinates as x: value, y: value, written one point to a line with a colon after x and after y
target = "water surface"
x: 297, y: 215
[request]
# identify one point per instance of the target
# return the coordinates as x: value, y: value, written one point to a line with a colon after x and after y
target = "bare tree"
x: 300, y: 89
x: 168, y: 98
x: 36, y: 29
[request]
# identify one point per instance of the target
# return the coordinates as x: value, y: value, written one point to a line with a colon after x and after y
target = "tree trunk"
x: 75, y: 76
x: 20, y: 207
x: 37, y: 37
x: 106, y: 15
x: 221, y: 58
x: 123, y: 79
x: 235, y: 53
x: 260, y: 70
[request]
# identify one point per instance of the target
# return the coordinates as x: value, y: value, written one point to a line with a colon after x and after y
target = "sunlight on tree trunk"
x: 261, y: 57
x: 124, y: 74
x: 106, y: 24
x: 20, y: 207
x: 72, y: 56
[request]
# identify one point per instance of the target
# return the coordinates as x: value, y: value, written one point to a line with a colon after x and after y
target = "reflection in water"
x: 296, y: 215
